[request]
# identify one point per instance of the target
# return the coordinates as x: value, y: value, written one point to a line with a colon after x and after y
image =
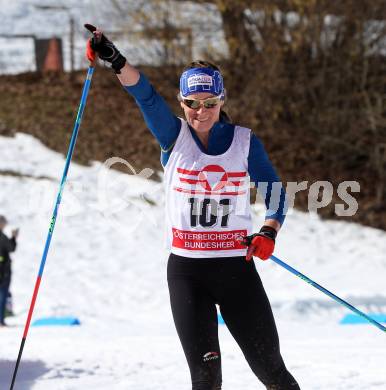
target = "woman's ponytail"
x: 224, y: 117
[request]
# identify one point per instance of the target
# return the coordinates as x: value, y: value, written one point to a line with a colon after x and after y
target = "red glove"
x: 261, y: 244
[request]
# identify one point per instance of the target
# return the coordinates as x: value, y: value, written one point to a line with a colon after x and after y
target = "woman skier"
x: 208, y: 162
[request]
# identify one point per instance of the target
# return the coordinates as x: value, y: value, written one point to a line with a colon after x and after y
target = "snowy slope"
x: 107, y: 266
x: 22, y: 17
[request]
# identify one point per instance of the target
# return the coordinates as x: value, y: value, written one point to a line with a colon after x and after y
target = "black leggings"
x: 195, y: 287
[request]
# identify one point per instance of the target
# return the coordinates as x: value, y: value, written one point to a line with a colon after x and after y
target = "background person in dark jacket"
x: 7, y: 245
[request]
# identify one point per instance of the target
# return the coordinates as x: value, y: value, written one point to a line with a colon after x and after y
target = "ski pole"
x: 74, y: 136
x: 330, y: 294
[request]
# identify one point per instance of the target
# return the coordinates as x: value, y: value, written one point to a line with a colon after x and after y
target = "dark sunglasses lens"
x: 192, y: 103
x: 211, y: 103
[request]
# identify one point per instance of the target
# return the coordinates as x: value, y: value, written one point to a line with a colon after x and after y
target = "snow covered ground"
x: 107, y: 266
x: 51, y: 18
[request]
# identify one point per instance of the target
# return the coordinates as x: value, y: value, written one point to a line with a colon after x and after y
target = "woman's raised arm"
x: 159, y: 118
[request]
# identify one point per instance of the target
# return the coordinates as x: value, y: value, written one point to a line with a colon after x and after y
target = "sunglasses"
x: 210, y: 102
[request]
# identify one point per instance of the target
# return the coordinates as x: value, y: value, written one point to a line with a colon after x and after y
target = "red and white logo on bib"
x: 211, y: 180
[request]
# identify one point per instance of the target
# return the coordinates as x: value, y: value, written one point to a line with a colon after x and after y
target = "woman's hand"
x: 106, y: 50
x: 261, y: 244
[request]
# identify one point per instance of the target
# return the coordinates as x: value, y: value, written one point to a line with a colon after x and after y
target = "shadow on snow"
x: 29, y: 371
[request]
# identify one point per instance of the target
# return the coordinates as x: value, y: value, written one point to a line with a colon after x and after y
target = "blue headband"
x: 201, y: 80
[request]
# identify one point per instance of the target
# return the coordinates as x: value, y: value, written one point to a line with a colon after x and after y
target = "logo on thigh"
x: 211, y: 356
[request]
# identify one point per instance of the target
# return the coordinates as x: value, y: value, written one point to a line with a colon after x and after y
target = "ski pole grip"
x: 90, y: 27
x: 93, y: 61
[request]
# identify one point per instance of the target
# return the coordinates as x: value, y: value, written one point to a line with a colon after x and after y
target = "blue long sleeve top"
x: 165, y: 126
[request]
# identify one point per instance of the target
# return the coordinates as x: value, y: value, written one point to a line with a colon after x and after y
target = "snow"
x: 107, y: 266
x: 51, y: 18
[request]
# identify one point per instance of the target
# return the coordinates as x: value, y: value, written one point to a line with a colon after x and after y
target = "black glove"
x: 106, y: 50
x: 265, y: 231
x: 260, y: 244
